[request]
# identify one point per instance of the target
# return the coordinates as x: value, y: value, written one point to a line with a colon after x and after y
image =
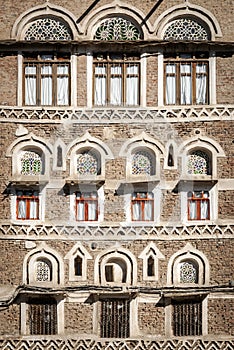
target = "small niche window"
x: 115, y: 316
x: 198, y: 163
x: 187, y: 318
x: 42, y: 316
x: 116, y: 80
x: 150, y: 266
x: 43, y: 270
x: 188, y: 272
x: 186, y: 79
x: 198, y: 205
x: 86, y: 206
x: 78, y: 266
x: 142, y: 163
x: 142, y: 206
x: 116, y: 271
x: 27, y: 205
x: 47, y: 80
x: 31, y: 163
x: 88, y: 163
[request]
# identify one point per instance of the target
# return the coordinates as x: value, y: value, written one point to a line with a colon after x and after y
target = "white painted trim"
x: 143, y: 80
x: 212, y: 78
x: 160, y: 80
x: 73, y: 79
x: 89, y: 77
x: 20, y: 80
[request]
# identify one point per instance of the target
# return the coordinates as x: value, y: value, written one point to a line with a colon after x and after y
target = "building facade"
x: 117, y: 174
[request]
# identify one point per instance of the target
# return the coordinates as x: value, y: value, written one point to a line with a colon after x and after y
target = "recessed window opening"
x: 87, y: 206
x: 78, y: 266
x: 43, y: 271
x: 150, y: 266
x: 198, y: 205
x: 188, y: 270
x: 42, y: 316
x: 116, y: 271
x: 187, y: 318
x: 27, y: 205
x: 142, y: 206
x: 199, y: 163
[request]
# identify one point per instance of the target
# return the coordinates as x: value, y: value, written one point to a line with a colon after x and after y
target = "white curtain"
x: 148, y: 211
x: 201, y: 82
x: 46, y: 85
x: 132, y: 84
x: 80, y: 211
x: 192, y: 210
x: 22, y: 209
x: 171, y: 84
x: 136, y: 211
x: 185, y: 84
x: 30, y: 85
x: 92, y: 209
x: 204, y: 210
x: 62, y: 85
x: 116, y: 86
x: 33, y: 207
x: 100, y: 86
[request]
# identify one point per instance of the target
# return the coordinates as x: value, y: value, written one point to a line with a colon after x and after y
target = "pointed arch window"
x: 43, y: 270
x: 117, y: 28
x: 48, y: 29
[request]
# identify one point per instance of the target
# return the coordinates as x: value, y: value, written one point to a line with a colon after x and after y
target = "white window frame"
x: 78, y: 250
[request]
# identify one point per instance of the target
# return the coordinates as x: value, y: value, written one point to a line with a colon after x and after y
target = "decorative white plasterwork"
x: 188, y: 253
x: 187, y: 10
x: 115, y: 253
x: 78, y: 250
x: 151, y: 250
x: 43, y: 251
x: 116, y: 8
x: 45, y: 10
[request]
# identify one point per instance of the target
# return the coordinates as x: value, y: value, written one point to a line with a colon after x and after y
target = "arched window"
x: 116, y: 270
x: 198, y: 163
x: 151, y: 256
x: 30, y: 163
x: 78, y: 266
x: 142, y: 163
x: 188, y: 271
x: 88, y: 163
x: 78, y: 258
x: 43, y: 270
x: 150, y: 266
x: 48, y: 29
x: 117, y: 28
x: 186, y: 29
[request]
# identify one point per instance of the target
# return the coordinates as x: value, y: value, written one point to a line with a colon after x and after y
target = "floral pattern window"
x: 198, y: 163
x: 186, y: 29
x: 188, y: 272
x: 117, y: 28
x: 48, y: 29
x: 142, y: 163
x: 31, y: 163
x: 87, y: 164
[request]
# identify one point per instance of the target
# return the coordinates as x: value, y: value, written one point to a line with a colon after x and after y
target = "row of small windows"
x: 116, y: 80
x: 116, y: 29
x: 88, y: 162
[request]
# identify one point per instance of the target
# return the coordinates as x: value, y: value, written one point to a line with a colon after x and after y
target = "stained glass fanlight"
x: 31, y: 163
x: 117, y: 28
x: 87, y: 163
x: 188, y: 272
x: 185, y: 29
x: 48, y: 29
x: 142, y: 163
x: 198, y: 163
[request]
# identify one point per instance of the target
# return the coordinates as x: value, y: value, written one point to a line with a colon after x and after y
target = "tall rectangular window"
x: 42, y: 317
x: 142, y: 206
x: 198, y: 205
x: 47, y: 80
x: 186, y: 79
x: 116, y: 80
x: 115, y: 318
x: 27, y: 205
x: 187, y: 318
x: 86, y: 206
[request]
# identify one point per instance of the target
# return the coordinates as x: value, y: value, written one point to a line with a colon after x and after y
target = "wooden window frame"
x: 28, y: 199
x: 187, y: 317
x: 86, y: 201
x: 108, y: 62
x: 43, y: 319
x: 198, y: 201
x: 193, y: 61
x: 38, y: 62
x: 142, y: 202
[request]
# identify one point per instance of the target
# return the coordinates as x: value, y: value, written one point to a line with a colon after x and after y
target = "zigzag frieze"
x: 118, y: 114
x: 119, y: 232
x: 88, y: 344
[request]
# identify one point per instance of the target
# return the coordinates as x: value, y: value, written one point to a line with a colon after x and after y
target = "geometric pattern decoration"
x: 185, y: 29
x: 106, y: 115
x: 31, y: 163
x: 48, y: 29
x: 198, y: 163
x: 194, y: 231
x: 142, y: 163
x: 98, y: 344
x: 117, y: 28
x: 87, y: 164
x: 188, y: 272
x: 43, y: 271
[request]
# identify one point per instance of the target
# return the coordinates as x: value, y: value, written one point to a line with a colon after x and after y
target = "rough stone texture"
x: 78, y: 318
x: 10, y: 320
x: 221, y: 316
x: 151, y: 319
